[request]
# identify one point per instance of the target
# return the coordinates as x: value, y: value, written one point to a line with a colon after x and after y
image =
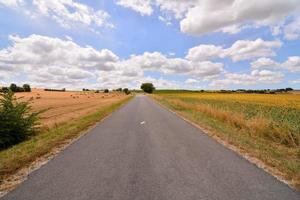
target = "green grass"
x: 275, y: 154
x: 23, y: 154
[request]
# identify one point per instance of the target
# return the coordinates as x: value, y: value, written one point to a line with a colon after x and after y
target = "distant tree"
x: 289, y: 89
x: 106, y: 91
x: 126, y: 91
x: 4, y: 89
x: 26, y: 88
x: 119, y: 90
x: 147, y: 87
x: 13, y: 87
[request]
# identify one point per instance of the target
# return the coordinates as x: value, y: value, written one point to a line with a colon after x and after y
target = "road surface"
x: 143, y: 151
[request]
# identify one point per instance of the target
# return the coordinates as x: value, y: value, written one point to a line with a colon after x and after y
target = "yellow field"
x: 267, y: 126
x: 285, y: 100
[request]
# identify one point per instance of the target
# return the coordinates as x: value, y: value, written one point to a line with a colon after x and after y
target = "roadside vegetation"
x: 18, y: 122
x: 267, y: 126
x: 24, y: 139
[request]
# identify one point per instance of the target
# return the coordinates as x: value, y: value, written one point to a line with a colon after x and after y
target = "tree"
x: 26, y: 88
x: 13, y: 87
x: 106, y: 91
x: 147, y: 87
x: 119, y: 90
x: 126, y: 91
x: 17, y: 120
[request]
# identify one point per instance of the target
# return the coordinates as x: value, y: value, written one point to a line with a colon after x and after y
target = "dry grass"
x: 266, y: 126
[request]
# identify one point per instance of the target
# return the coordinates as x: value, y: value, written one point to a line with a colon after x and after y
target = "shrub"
x: 147, y: 87
x: 4, y: 89
x: 106, y: 91
x: 26, y: 88
x: 17, y: 120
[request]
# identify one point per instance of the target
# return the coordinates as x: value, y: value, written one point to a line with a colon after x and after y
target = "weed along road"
x: 143, y: 151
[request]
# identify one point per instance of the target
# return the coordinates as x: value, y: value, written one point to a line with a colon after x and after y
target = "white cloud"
x: 204, y: 52
x: 67, y: 13
x: 158, y: 62
x: 141, y: 6
x: 213, y: 15
x: 240, y: 50
x: 53, y: 60
x: 292, y: 64
x: 38, y: 51
x: 248, y: 49
x: 191, y: 81
x: 165, y: 20
x: 254, y: 78
x: 292, y: 30
x: 263, y: 63
x: 229, y: 16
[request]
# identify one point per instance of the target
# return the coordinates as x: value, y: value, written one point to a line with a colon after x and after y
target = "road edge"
x: 251, y: 159
x: 14, y: 180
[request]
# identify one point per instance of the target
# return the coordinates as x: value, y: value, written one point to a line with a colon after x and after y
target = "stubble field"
x: 61, y: 107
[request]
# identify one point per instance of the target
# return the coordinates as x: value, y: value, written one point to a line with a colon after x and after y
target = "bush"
x: 26, y: 88
x: 4, y: 89
x: 17, y: 120
x: 126, y: 91
x: 13, y: 87
x: 147, y: 87
x: 106, y: 91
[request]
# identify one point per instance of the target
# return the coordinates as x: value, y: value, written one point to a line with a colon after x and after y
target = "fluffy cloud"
x: 38, y: 51
x: 159, y: 62
x: 52, y: 60
x: 263, y: 63
x: 254, y: 78
x: 292, y: 30
x: 204, y: 52
x: 67, y: 13
x: 247, y: 49
x: 141, y: 6
x: 292, y: 64
x: 213, y: 15
x: 240, y: 50
x: 230, y: 16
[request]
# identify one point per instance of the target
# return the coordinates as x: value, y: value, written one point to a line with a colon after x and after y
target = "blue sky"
x: 191, y: 44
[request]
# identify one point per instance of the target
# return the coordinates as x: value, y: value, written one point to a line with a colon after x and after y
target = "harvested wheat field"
x: 60, y: 107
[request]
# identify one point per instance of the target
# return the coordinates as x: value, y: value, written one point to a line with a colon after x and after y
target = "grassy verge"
x: 253, y: 135
x: 23, y: 154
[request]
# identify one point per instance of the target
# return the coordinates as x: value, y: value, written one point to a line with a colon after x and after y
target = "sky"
x: 175, y: 44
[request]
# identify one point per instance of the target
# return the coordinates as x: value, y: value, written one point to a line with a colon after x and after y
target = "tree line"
x: 15, y: 88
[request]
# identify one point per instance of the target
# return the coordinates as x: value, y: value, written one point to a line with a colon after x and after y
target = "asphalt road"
x: 143, y: 151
